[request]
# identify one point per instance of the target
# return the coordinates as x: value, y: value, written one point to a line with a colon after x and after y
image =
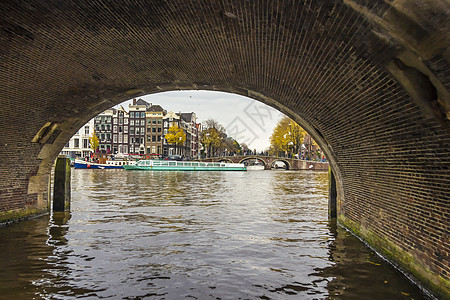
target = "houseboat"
x: 109, y: 164
x: 170, y: 165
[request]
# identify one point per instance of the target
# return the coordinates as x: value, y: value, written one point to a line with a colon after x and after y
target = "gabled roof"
x: 154, y: 108
x: 142, y: 102
x: 171, y: 114
x: 187, y: 117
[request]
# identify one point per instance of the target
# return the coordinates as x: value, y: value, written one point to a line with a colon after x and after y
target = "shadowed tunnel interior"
x: 368, y: 80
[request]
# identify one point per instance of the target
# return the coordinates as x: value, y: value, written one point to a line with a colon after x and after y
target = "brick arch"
x: 227, y: 160
x: 286, y: 163
x: 253, y: 157
x: 368, y: 79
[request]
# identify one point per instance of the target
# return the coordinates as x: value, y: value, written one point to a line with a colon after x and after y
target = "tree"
x: 94, y: 142
x: 213, y: 137
x: 231, y: 146
x: 175, y: 136
x: 286, y: 138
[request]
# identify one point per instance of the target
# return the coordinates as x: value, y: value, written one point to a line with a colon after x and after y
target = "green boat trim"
x: 171, y: 165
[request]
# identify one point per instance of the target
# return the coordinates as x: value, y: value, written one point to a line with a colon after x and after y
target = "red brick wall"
x: 368, y: 80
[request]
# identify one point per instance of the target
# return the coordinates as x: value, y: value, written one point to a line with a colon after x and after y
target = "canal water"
x: 194, y: 235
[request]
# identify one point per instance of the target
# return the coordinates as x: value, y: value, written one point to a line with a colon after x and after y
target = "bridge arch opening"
x: 368, y: 81
x: 280, y: 165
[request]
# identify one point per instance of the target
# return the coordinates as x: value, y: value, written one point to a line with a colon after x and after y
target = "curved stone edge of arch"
x: 401, y: 31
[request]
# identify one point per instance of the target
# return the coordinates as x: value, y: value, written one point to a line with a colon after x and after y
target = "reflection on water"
x: 201, y: 235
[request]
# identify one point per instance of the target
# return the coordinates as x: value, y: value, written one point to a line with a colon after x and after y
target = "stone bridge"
x: 369, y: 80
x: 268, y: 161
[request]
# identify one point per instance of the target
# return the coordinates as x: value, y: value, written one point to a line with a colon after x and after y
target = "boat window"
x: 187, y: 164
x: 172, y: 163
x: 195, y: 164
x: 202, y: 164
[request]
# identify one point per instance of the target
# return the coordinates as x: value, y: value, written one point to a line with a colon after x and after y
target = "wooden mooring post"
x: 61, y: 185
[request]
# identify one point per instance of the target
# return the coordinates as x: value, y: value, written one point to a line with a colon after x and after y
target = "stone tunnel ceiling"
x: 368, y: 79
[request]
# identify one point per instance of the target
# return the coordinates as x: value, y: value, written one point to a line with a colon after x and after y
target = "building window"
x: 125, y: 121
x: 115, y: 129
x: 125, y: 129
x: 132, y: 122
x: 86, y: 142
x: 108, y: 136
x: 159, y: 138
x: 148, y: 139
x: 142, y: 130
x: 153, y: 138
x: 86, y: 130
x: 114, y: 138
x: 137, y: 130
x: 115, y: 120
x: 132, y: 114
x: 76, y: 143
x: 159, y: 121
x: 142, y: 114
x: 125, y: 148
x: 103, y: 127
x: 120, y: 137
x: 154, y: 121
x: 125, y: 139
x: 142, y: 122
x: 159, y: 129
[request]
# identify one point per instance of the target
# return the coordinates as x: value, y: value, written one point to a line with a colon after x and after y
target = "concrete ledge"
x: 17, y: 215
x: 401, y: 259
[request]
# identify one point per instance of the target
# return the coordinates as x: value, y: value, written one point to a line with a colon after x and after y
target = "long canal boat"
x: 169, y: 165
x: 109, y: 164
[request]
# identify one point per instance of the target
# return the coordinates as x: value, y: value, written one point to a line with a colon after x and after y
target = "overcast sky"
x: 246, y: 120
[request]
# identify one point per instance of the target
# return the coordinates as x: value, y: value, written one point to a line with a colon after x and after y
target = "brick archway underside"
x: 368, y: 79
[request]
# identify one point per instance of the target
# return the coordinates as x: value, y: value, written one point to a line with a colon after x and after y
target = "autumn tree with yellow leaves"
x: 213, y: 137
x: 175, y: 136
x: 287, y: 138
x: 94, y: 142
